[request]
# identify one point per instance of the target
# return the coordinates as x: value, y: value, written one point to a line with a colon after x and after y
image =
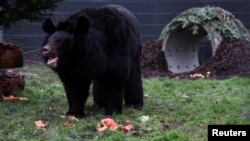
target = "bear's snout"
x: 46, y: 50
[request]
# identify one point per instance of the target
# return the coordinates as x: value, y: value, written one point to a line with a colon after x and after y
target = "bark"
x: 10, y: 82
x: 10, y: 56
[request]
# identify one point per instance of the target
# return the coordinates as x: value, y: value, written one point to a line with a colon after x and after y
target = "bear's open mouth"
x: 52, y: 62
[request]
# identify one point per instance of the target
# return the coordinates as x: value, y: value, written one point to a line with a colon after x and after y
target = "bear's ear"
x: 48, y: 26
x: 82, y: 23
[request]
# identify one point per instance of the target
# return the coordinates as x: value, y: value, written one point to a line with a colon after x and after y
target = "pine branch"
x: 219, y: 21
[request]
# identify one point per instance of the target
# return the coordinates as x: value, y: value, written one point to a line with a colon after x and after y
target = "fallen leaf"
x: 146, y: 95
x: 23, y: 99
x: 127, y: 122
x: 13, y: 98
x: 197, y: 75
x: 69, y: 120
x: 128, y: 127
x: 40, y: 123
x: 185, y: 96
x: 66, y: 123
x: 72, y: 118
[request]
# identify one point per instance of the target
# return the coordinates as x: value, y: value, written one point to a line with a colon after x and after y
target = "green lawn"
x: 178, y: 110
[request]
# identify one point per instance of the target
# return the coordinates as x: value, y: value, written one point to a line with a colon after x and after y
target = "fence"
x: 153, y: 15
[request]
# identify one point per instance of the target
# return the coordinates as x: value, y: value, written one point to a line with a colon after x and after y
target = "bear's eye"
x: 59, y: 41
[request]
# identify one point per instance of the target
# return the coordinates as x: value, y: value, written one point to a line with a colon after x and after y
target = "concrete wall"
x: 153, y: 15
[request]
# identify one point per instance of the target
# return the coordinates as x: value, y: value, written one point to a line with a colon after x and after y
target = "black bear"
x: 100, y: 45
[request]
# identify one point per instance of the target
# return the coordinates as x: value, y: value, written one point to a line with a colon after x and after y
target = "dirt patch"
x: 232, y: 58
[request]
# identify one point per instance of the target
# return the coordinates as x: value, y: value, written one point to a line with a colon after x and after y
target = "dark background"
x: 153, y: 16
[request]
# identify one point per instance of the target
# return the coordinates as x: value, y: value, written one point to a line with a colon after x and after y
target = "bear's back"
x: 110, y: 18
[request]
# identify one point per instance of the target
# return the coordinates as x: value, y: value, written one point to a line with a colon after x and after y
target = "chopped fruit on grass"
x: 109, y: 123
x: 128, y: 127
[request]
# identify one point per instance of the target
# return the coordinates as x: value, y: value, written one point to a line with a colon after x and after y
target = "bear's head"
x: 60, y: 41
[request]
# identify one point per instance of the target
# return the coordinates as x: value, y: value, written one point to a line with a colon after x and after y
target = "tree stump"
x: 10, y: 57
x: 10, y: 81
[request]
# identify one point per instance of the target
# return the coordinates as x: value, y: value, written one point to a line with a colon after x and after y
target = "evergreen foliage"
x: 31, y: 10
x: 215, y: 20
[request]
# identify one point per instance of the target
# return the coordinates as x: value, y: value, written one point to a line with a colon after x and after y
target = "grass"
x: 178, y: 110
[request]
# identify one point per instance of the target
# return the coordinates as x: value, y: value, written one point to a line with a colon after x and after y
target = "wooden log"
x: 10, y: 56
x: 11, y: 81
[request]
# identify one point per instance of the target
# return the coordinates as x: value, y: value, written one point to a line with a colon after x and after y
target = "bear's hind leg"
x: 110, y: 95
x: 98, y: 96
x: 134, y: 91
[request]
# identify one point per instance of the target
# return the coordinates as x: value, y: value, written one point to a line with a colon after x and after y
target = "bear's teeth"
x: 52, y: 62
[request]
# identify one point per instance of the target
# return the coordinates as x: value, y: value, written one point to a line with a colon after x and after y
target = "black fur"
x: 100, y: 45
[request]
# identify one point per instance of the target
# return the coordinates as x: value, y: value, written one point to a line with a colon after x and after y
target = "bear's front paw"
x: 76, y: 114
x: 110, y: 110
x: 137, y: 106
